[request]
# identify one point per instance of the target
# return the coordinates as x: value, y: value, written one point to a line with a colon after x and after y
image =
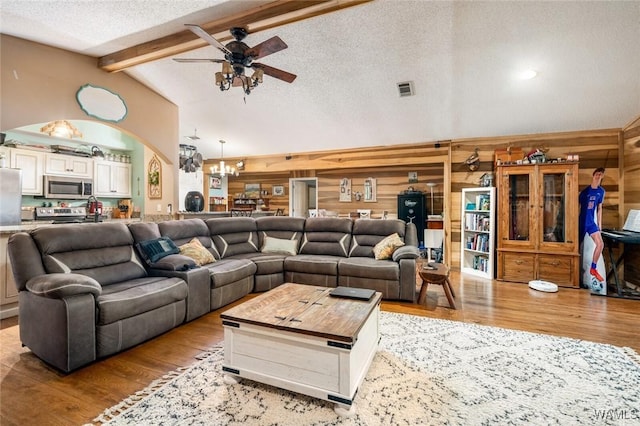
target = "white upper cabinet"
x: 68, y: 165
x: 112, y: 179
x: 32, y: 165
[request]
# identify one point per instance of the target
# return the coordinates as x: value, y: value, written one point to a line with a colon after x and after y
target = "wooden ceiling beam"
x: 270, y: 15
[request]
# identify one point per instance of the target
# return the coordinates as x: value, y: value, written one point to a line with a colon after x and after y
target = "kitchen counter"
x: 27, y: 226
x: 210, y: 215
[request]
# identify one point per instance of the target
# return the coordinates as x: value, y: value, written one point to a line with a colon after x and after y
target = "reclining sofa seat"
x: 244, y: 238
x: 84, y: 294
x: 393, y: 277
x: 227, y: 280
x: 324, y: 243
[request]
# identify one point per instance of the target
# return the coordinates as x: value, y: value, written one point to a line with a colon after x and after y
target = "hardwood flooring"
x: 33, y: 393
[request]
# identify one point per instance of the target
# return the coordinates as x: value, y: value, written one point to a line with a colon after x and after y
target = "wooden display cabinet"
x: 538, y: 227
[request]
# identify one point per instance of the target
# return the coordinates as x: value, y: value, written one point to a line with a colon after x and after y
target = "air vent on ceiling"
x: 406, y: 88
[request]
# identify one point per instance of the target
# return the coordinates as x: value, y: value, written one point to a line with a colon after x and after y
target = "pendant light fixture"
x: 222, y: 169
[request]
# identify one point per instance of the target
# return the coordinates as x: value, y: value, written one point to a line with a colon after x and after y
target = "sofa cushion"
x: 385, y: 248
x: 286, y: 227
x: 227, y: 271
x: 157, y: 248
x: 133, y: 297
x: 280, y: 246
x: 326, y: 236
x: 366, y: 267
x: 183, y: 231
x: 233, y: 235
x: 195, y: 250
x: 102, y: 251
x: 369, y: 232
x: 312, y: 264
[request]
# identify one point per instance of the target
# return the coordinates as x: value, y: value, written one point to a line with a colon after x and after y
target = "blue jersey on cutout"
x: 590, y: 199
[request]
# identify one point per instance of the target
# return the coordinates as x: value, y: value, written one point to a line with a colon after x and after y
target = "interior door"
x: 304, y: 194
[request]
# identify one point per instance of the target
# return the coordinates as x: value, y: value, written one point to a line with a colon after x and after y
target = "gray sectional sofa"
x: 88, y: 291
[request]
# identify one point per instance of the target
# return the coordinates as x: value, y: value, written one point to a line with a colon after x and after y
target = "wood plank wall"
x: 443, y: 165
x: 631, y: 173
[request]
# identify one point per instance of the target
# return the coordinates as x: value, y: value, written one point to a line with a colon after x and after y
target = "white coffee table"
x: 298, y: 337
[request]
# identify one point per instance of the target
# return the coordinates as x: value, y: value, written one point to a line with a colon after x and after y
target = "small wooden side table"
x: 440, y: 276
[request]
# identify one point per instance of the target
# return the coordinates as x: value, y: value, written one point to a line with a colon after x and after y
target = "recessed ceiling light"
x: 528, y: 74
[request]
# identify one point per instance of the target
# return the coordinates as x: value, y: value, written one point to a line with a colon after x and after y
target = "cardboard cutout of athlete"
x: 591, y: 199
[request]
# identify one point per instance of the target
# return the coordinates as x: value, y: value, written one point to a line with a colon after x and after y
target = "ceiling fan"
x: 238, y: 56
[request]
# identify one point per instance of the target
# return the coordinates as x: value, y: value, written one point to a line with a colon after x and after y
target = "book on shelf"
x: 483, y: 202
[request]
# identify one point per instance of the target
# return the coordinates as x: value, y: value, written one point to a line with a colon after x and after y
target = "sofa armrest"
x: 59, y: 286
x: 174, y: 262
x: 199, y: 286
x: 406, y: 252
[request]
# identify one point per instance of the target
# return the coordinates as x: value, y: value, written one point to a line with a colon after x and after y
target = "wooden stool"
x: 439, y: 275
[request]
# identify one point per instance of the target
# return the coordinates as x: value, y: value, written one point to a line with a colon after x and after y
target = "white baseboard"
x: 8, y: 313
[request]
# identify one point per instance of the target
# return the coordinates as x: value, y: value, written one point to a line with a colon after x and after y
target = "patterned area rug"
x: 426, y: 372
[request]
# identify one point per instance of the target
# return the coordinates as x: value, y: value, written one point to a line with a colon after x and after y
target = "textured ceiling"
x: 461, y: 56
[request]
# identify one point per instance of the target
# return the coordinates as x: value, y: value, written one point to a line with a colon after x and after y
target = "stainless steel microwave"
x: 67, y: 187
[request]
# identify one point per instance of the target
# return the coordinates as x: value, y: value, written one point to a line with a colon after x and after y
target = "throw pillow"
x: 156, y: 249
x: 280, y: 246
x: 195, y: 250
x: 385, y: 248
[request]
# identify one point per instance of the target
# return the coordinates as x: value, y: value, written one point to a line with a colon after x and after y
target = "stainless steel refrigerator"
x: 10, y: 196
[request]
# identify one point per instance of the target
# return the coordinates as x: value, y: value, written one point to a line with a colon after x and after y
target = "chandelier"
x: 61, y: 129
x: 223, y: 169
x: 233, y: 75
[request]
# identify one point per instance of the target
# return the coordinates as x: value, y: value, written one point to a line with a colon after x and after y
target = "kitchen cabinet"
x: 112, y: 179
x: 538, y: 227
x: 477, y: 253
x: 8, y: 291
x: 32, y: 165
x: 68, y: 165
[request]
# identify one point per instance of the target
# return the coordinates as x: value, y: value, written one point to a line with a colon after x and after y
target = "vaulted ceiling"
x: 463, y: 58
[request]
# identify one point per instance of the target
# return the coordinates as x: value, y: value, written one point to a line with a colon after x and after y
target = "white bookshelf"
x: 478, y: 218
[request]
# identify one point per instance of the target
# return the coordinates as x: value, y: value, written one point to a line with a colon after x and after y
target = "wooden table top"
x: 438, y: 274
x: 306, y: 309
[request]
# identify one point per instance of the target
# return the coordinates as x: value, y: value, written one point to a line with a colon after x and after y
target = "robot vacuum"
x: 545, y: 286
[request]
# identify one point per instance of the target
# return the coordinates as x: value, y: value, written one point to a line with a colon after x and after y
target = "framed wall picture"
x: 345, y: 190
x: 215, y: 182
x: 252, y: 190
x: 370, y: 190
x: 154, y: 178
x: 278, y: 190
x: 413, y: 177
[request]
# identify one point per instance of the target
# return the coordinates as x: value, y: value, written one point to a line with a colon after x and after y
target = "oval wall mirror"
x: 101, y: 103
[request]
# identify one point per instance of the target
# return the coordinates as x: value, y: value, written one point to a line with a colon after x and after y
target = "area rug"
x: 426, y: 372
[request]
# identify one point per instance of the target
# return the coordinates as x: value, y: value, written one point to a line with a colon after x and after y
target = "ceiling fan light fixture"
x: 227, y: 69
x: 257, y: 75
x: 219, y: 79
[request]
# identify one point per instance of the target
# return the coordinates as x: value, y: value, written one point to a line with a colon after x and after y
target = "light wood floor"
x: 33, y: 393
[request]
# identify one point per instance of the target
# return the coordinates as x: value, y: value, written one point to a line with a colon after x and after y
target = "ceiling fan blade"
x: 275, y: 72
x: 197, y: 30
x: 267, y: 47
x: 184, y: 60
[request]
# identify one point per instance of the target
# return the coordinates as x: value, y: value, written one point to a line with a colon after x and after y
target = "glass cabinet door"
x: 553, y: 208
x: 558, y: 218
x: 516, y: 223
x: 520, y: 200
